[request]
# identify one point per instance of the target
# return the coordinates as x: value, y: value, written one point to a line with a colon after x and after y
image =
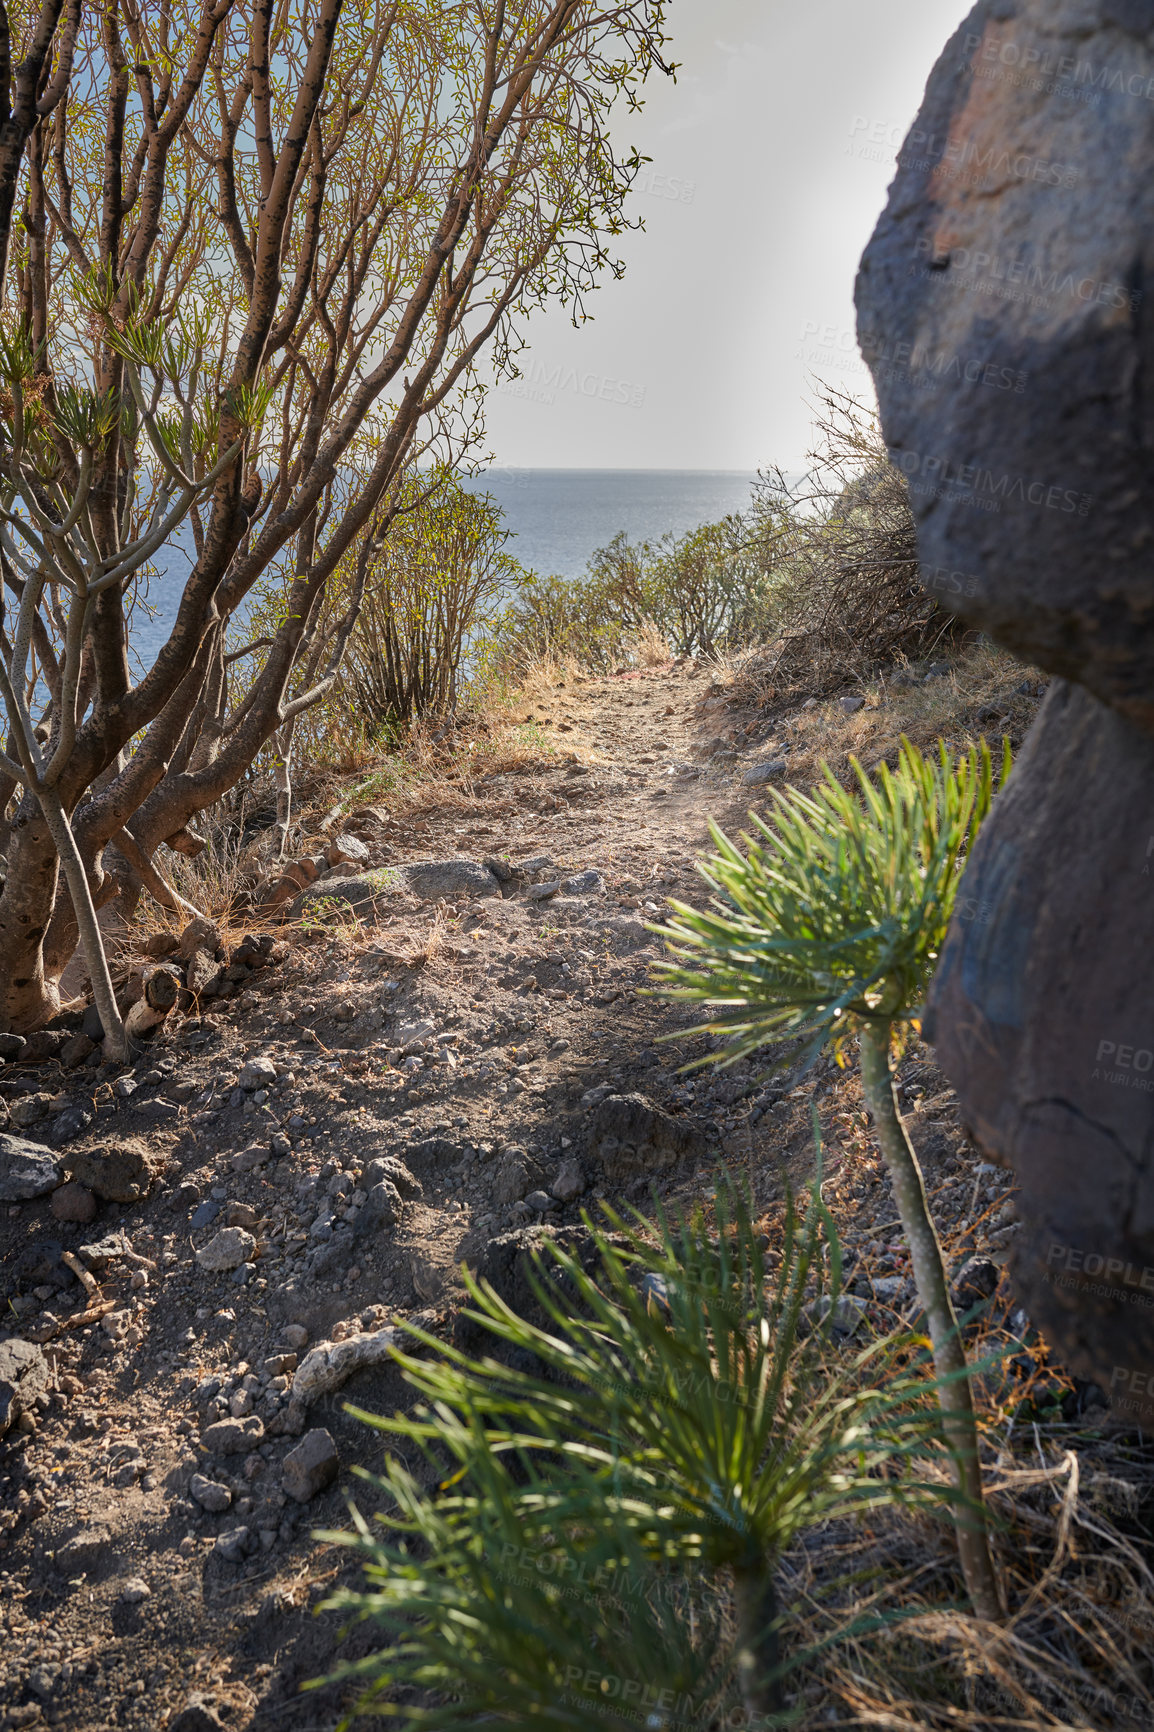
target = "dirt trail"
x: 469, y: 1039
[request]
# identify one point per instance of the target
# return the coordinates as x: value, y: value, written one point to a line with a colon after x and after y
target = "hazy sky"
x: 771, y: 158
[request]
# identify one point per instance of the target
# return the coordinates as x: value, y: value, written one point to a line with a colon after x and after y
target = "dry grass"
x: 977, y: 698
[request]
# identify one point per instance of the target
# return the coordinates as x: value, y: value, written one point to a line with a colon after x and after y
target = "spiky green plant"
x: 829, y: 925
x: 689, y: 1423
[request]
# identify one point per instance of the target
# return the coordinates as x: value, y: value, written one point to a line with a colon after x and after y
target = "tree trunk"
x: 116, y: 1043
x: 758, y: 1654
x: 934, y: 1294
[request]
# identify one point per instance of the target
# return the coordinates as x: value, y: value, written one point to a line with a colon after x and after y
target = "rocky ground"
x: 203, y: 1254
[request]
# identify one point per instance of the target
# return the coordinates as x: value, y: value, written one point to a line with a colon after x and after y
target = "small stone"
x: 234, y: 1545
x: 204, y: 1214
x: 158, y: 945
x: 199, y: 934
x: 73, y: 1202
x: 345, y: 848
x: 383, y: 1207
x: 540, y: 1200
x: 71, y: 1123
x: 159, y: 1112
x: 197, y: 1715
x: 29, y: 1111
x: 231, y: 1247
x: 76, y: 1050
x: 11, y: 1047
x: 251, y: 1158
x: 849, y: 705
x: 395, y: 1171
x: 233, y: 1436
x: 569, y: 1181
x: 588, y: 883
x: 258, y: 1073
x: 209, y: 1494
x: 134, y: 1591
x: 203, y: 974
x: 432, y: 879
x: 765, y: 771
x: 295, y: 1336
x: 850, y: 1316
x: 311, y: 1467
x: 331, y: 1363
x: 23, y: 1380
x: 27, y: 1170
x: 119, y: 1172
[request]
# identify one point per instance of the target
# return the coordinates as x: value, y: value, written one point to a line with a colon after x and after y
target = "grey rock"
x: 248, y: 1160
x: 764, y: 772
x: 395, y: 1171
x: 511, y: 1180
x: 198, y: 1715
x: 543, y: 892
x: 346, y: 848
x: 233, y: 1436
x: 199, y: 934
x: 311, y: 1467
x: 134, y: 1590
x: 331, y: 1363
x: 382, y: 1207
x: 432, y: 1154
x: 259, y: 1073
x: 209, y: 1494
x: 365, y: 891
x: 850, y: 1315
x: 159, y: 1112
x: 850, y: 704
x: 632, y: 1138
x: 28, y: 1111
x: 569, y: 1181
x: 205, y: 1214
x: 27, y: 1170
x: 84, y: 1550
x: 120, y: 1172
x: 11, y: 1047
x: 203, y: 974
x: 234, y: 1545
x: 74, y: 1203
x: 73, y: 1122
x: 431, y: 879
x: 541, y: 1201
x: 588, y: 883
x: 231, y: 1247
x: 24, y: 1376
x: 975, y: 1282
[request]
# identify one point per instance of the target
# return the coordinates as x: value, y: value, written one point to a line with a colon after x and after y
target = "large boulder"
x: 1001, y: 307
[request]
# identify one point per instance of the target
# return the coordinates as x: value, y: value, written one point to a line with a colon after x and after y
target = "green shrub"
x: 604, y: 1537
x: 828, y: 926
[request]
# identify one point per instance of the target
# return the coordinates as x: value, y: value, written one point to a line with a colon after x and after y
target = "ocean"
x: 558, y: 518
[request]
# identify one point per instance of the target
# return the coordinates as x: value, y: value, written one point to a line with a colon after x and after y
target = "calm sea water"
x: 559, y: 518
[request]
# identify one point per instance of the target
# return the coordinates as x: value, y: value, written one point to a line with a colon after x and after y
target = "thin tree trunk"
x: 758, y: 1654
x: 934, y: 1294
x: 115, y: 1039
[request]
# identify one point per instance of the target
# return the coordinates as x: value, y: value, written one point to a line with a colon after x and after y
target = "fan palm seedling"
x: 687, y: 1423
x: 829, y: 925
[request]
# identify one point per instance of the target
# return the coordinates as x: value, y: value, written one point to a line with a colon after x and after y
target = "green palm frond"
x: 835, y: 913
